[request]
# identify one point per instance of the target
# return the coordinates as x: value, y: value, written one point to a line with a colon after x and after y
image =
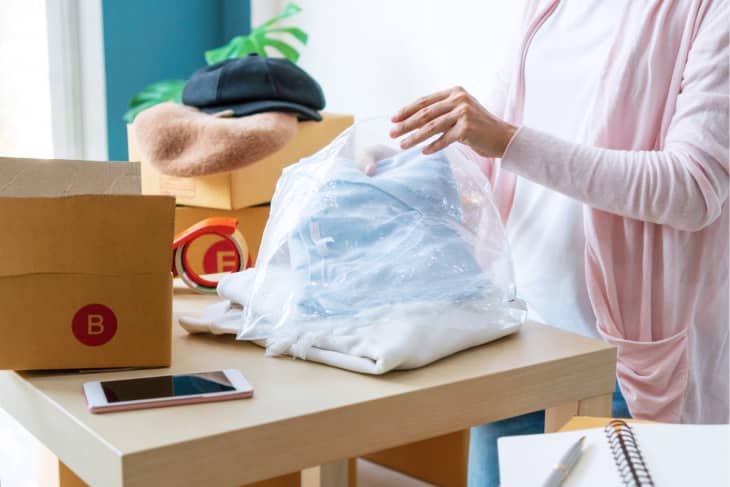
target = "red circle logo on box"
x: 222, y: 256
x: 94, y: 325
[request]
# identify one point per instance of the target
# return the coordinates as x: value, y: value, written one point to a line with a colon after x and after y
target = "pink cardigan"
x: 652, y: 170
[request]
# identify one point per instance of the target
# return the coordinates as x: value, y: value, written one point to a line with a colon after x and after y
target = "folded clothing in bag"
x: 410, y: 336
x: 371, y: 273
x: 367, y: 242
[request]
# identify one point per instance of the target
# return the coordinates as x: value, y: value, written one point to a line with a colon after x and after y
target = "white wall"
x: 372, y: 56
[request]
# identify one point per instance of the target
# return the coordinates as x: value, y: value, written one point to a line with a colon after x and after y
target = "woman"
x: 607, y: 148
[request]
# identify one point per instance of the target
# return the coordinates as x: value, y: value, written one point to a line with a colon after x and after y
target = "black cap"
x: 255, y: 84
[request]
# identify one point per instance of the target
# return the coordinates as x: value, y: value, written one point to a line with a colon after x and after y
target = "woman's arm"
x: 683, y: 186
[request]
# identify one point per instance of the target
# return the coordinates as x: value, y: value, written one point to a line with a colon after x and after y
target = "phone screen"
x: 165, y: 386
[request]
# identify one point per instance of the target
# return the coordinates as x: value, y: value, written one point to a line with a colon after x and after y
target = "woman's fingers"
x: 367, y: 162
x: 458, y: 117
x: 447, y: 138
x: 422, y: 116
x: 436, y: 126
x: 409, y: 110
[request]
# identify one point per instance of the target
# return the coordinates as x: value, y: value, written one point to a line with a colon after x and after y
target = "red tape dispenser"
x: 227, y: 229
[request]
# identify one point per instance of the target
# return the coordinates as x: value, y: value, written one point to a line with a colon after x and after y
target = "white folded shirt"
x: 412, y: 335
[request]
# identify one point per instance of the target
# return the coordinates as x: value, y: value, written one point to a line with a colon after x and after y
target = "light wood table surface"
x: 304, y: 414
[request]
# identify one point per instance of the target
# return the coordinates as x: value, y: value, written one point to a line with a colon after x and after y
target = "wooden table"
x: 304, y: 414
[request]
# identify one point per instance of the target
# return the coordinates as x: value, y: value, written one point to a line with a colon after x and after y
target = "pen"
x: 562, y: 468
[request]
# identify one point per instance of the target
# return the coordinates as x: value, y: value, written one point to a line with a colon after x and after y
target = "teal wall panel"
x: 151, y: 40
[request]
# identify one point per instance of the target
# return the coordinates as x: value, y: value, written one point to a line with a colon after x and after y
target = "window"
x: 25, y: 113
x: 52, y: 91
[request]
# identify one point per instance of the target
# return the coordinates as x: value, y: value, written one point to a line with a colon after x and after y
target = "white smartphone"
x: 166, y: 390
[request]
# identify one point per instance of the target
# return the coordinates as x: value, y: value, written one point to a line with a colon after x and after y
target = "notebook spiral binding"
x: 627, y: 455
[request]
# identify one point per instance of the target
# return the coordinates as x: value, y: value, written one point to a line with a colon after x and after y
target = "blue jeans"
x: 483, y: 461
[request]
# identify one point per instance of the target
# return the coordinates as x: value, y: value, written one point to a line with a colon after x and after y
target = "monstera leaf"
x: 262, y: 37
x: 162, y: 91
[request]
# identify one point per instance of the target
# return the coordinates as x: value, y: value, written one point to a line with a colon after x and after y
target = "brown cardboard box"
x: 85, y: 278
x: 248, y: 186
x: 210, y: 254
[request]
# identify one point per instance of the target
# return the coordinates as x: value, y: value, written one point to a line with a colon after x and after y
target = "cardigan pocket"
x: 653, y: 374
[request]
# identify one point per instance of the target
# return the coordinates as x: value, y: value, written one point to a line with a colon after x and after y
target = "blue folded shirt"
x: 394, y: 237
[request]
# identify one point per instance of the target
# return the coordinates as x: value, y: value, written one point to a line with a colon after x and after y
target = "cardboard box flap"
x: 92, y: 234
x: 42, y: 177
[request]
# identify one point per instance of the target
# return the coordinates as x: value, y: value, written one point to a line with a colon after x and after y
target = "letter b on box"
x: 94, y: 325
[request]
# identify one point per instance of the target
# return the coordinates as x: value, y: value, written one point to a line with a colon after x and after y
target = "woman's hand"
x: 367, y: 162
x: 458, y: 117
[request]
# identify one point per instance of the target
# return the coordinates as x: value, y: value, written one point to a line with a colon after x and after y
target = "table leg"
x: 66, y: 478
x: 599, y: 406
x: 352, y: 472
x: 334, y: 474
x: 442, y: 460
x: 557, y: 416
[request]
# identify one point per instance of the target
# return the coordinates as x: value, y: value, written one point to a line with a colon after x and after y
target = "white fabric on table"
x: 413, y: 334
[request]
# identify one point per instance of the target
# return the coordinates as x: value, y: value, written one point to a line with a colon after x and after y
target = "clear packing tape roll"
x: 363, y: 234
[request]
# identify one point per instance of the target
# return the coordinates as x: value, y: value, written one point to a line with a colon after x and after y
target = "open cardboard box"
x: 249, y: 186
x: 85, y: 272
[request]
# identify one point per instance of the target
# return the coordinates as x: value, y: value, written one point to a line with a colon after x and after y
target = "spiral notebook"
x: 666, y: 455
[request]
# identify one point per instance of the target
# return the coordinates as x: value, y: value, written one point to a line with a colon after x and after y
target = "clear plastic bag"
x: 418, y: 238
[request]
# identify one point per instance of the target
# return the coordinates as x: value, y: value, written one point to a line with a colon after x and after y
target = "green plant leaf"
x: 285, y: 49
x: 247, y: 47
x: 289, y: 10
x: 239, y: 46
x: 298, y: 33
x: 258, y: 39
x: 132, y: 113
x: 257, y: 43
x: 225, y: 52
x: 242, y: 48
x: 162, y: 91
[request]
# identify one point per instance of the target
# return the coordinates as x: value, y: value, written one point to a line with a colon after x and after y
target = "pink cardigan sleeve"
x: 684, y: 185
